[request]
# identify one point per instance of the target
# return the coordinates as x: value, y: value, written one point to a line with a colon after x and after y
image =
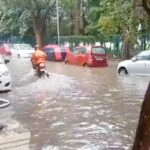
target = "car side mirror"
x: 134, y: 59
x: 6, y: 61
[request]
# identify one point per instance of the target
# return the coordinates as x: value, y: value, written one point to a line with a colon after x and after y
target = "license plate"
x: 42, y: 69
x: 97, y: 58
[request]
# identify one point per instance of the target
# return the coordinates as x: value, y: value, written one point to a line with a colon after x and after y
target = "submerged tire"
x: 123, y: 71
x: 86, y: 65
x: 4, y: 103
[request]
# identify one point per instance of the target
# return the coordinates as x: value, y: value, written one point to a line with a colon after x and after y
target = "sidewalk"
x: 14, y: 137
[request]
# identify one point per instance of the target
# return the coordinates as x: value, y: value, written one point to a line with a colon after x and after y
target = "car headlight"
x: 6, y: 73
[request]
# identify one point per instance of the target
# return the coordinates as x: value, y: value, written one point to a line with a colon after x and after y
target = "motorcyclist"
x: 38, y: 57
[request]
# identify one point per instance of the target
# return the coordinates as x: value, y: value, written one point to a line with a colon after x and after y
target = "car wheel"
x: 18, y: 55
x: 4, y: 103
x: 123, y: 71
x: 85, y: 65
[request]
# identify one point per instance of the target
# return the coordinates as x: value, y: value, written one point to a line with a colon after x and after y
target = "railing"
x: 112, y: 43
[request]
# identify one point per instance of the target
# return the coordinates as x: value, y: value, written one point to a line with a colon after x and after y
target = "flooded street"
x: 76, y: 108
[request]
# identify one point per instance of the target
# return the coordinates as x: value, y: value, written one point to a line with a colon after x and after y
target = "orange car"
x: 56, y: 52
x: 92, y: 56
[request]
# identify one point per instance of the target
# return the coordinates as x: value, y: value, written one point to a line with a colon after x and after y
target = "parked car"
x: 92, y: 56
x: 139, y: 64
x: 21, y: 50
x: 56, y: 52
x: 5, y: 51
x: 5, y: 78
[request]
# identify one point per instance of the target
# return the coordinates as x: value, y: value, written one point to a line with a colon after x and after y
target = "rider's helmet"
x: 36, y: 47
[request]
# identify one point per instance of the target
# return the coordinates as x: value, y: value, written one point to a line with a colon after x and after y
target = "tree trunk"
x: 140, y: 7
x: 126, y: 50
x: 77, y: 17
x: 39, y: 38
x: 39, y: 30
x: 142, y: 138
x: 81, y: 18
x: 146, y: 5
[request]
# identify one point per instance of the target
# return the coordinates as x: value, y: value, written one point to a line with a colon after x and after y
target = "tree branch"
x: 48, y: 10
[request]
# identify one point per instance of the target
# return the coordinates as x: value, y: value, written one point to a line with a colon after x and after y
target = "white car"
x: 138, y: 65
x: 5, y: 78
x: 22, y: 50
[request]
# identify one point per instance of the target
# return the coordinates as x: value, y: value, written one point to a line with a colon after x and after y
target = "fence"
x: 112, y: 43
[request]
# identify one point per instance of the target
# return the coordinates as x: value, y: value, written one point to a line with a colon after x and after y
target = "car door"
x: 81, y: 56
x: 138, y: 64
x: 73, y: 58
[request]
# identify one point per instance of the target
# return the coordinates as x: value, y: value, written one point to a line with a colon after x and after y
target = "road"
x: 76, y: 108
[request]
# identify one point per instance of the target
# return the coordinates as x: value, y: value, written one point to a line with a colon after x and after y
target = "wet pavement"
x: 76, y: 108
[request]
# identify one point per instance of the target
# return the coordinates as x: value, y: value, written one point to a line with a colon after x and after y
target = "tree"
x: 146, y: 5
x: 8, y: 19
x: 67, y: 17
x: 38, y: 12
x: 73, y: 11
x: 92, y: 15
x: 142, y: 137
x: 118, y: 17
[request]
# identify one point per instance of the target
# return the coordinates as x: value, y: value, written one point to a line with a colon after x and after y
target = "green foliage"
x: 92, y: 16
x: 118, y: 17
x: 8, y: 18
x: 101, y: 17
x: 18, y: 16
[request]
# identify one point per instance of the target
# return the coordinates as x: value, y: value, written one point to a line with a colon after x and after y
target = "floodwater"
x: 76, y: 108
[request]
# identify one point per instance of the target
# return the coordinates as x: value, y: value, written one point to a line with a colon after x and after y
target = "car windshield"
x: 145, y: 55
x: 98, y: 50
x: 21, y: 47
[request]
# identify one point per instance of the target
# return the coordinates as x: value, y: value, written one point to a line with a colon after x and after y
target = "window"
x: 143, y: 56
x: 83, y: 50
x: 75, y: 51
x: 63, y: 49
x: 21, y: 47
x: 98, y: 50
x: 49, y: 49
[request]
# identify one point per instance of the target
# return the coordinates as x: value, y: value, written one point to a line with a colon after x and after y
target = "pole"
x: 58, y: 34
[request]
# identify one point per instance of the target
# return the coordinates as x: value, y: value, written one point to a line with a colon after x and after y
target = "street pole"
x: 58, y: 34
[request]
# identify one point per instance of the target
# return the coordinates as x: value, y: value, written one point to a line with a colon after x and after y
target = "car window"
x: 75, y: 51
x: 98, y: 50
x: 49, y: 49
x: 63, y: 49
x: 21, y: 47
x: 83, y: 50
x: 143, y: 56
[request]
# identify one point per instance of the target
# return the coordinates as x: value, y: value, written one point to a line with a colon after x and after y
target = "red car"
x: 5, y: 49
x: 56, y: 52
x: 92, y: 56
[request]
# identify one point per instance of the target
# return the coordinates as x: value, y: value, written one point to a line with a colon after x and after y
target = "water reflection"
x: 79, y: 108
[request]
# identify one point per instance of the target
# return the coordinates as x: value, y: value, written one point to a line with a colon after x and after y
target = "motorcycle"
x: 41, y: 70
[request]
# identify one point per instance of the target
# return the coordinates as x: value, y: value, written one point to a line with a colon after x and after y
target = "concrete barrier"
x: 14, y: 137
